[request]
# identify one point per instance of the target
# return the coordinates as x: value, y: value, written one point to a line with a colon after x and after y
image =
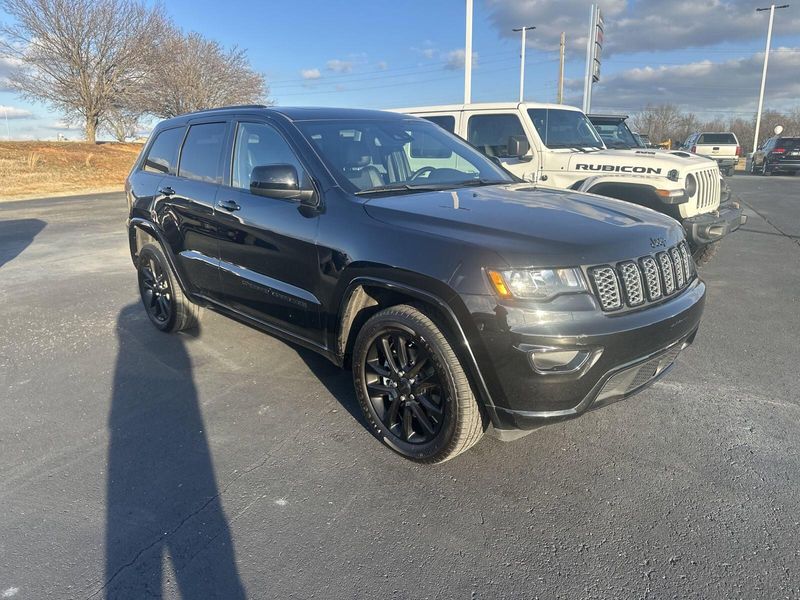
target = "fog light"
x: 553, y: 360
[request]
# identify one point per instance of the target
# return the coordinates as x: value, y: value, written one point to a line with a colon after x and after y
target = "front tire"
x: 165, y: 303
x: 412, y: 388
x: 703, y: 254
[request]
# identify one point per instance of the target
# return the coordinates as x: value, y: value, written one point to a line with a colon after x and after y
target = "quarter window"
x: 446, y: 122
x: 490, y: 133
x: 163, y: 154
x: 202, y: 151
x: 260, y: 145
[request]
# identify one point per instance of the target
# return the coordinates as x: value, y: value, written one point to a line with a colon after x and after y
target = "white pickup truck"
x: 722, y: 147
x: 557, y: 146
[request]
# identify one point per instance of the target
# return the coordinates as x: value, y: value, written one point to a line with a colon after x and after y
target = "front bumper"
x: 711, y: 227
x: 621, y: 348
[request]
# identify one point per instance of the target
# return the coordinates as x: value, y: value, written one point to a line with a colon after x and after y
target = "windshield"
x: 561, y: 128
x: 616, y: 134
x: 398, y: 156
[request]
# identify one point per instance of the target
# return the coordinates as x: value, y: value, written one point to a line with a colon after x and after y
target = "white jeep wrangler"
x: 557, y: 146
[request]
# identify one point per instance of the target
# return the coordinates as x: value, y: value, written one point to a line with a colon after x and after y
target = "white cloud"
x: 641, y: 25
x: 701, y: 87
x: 310, y: 73
x: 339, y: 66
x: 7, y: 65
x: 12, y: 112
x: 454, y: 59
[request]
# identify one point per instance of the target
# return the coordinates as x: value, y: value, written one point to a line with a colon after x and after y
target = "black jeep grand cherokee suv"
x: 462, y: 299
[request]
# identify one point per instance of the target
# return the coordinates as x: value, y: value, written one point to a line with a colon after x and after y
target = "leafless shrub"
x: 32, y: 160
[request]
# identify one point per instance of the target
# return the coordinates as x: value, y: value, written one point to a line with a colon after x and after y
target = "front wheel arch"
x: 366, y: 296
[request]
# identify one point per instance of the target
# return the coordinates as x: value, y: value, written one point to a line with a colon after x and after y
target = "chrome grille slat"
x: 652, y: 277
x: 634, y: 283
x: 680, y: 275
x: 667, y: 273
x: 607, y: 287
x: 684, y: 251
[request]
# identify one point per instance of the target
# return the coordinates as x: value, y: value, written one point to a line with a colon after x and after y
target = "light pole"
x: 468, y: 57
x: 524, y: 30
x: 771, y: 10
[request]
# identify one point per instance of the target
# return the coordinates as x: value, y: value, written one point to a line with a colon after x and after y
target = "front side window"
x: 260, y: 145
x: 561, y: 128
x: 490, y: 133
x: 202, y: 151
x: 162, y: 157
x: 398, y: 155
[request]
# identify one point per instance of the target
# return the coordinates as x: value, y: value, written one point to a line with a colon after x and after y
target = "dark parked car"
x: 462, y: 299
x: 778, y: 154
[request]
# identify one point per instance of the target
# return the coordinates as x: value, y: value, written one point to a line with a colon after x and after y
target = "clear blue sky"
x: 383, y: 54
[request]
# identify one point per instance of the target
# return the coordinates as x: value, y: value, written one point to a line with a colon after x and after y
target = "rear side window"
x: 490, y: 133
x: 447, y: 122
x: 162, y: 157
x: 717, y: 138
x: 202, y: 151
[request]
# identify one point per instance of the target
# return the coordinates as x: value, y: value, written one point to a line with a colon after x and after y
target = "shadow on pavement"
x: 16, y: 235
x: 162, y: 497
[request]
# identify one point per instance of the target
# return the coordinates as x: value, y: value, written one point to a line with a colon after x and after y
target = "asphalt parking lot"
x: 230, y: 464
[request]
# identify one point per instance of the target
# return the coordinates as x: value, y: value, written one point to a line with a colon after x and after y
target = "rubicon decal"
x: 618, y: 169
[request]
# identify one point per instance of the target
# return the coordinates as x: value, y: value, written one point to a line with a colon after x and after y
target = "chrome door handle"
x: 229, y: 205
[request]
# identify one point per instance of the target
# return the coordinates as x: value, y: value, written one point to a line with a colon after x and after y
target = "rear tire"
x: 164, y: 301
x: 703, y: 254
x: 412, y: 388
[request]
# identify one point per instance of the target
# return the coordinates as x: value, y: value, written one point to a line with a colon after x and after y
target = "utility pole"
x: 771, y: 10
x: 468, y: 57
x: 524, y: 30
x: 561, y: 50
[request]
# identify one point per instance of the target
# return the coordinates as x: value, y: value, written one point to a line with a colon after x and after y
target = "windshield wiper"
x: 398, y: 187
x: 427, y: 187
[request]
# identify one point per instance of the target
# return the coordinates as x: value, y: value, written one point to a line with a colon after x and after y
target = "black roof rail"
x: 230, y: 107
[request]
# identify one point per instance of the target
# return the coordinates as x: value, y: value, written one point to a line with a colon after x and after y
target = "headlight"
x: 691, y: 185
x: 537, y: 284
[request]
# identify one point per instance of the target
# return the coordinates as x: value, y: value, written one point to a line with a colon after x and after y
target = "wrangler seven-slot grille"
x: 634, y: 283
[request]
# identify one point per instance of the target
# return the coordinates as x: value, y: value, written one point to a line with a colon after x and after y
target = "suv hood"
x: 638, y: 161
x: 530, y: 225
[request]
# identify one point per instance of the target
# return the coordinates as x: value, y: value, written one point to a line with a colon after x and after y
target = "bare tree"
x: 658, y: 122
x: 83, y: 57
x: 194, y: 73
x: 122, y: 123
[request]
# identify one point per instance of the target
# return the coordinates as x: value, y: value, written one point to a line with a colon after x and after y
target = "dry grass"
x: 38, y: 169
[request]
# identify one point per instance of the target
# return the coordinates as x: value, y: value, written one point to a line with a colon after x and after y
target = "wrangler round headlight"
x: 691, y: 185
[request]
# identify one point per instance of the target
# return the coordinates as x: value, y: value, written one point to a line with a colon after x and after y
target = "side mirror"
x: 518, y: 147
x: 279, y: 181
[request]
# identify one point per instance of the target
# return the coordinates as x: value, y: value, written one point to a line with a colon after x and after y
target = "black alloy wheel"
x: 156, y: 291
x: 405, y: 386
x: 412, y: 388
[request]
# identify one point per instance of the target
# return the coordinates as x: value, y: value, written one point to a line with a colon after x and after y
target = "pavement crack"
x: 791, y: 238
x: 153, y: 544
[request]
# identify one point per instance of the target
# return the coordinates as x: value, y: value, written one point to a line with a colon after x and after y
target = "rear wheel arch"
x: 141, y: 232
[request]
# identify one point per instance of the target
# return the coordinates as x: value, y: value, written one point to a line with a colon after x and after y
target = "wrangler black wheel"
x: 412, y: 388
x: 166, y: 305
